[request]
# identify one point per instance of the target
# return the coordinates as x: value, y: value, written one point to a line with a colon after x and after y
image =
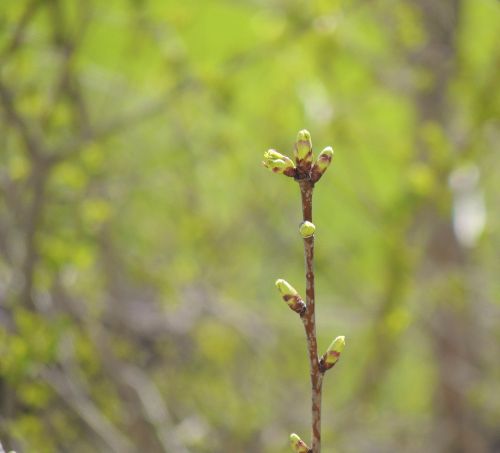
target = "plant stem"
x: 308, y: 318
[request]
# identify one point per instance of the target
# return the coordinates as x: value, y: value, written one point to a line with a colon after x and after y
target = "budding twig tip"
x: 303, y: 151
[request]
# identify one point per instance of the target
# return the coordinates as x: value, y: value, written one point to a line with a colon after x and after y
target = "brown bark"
x: 309, y: 320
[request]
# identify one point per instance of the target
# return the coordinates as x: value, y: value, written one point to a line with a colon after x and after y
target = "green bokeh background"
x: 140, y: 236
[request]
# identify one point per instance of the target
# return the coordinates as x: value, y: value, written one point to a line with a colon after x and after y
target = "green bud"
x: 273, y: 154
x: 291, y: 296
x: 324, y: 158
x: 285, y: 288
x: 303, y: 150
x: 297, y: 444
x: 322, y: 163
x: 276, y: 165
x: 307, y: 229
x: 332, y: 354
x: 279, y: 163
x: 303, y: 146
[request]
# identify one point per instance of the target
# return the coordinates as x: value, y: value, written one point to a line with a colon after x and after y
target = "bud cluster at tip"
x: 332, y: 354
x: 291, y: 296
x: 304, y: 167
x: 298, y: 445
x: 307, y: 229
x: 278, y: 163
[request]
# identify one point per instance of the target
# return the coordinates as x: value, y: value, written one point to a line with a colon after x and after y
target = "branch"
x: 31, y: 140
x: 154, y: 408
x: 128, y: 120
x: 309, y: 320
x: 307, y: 173
x: 74, y: 396
x: 17, y: 36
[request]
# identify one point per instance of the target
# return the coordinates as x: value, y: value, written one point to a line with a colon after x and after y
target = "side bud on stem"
x: 307, y: 229
x: 298, y: 445
x: 291, y: 296
x: 321, y: 164
x: 332, y: 354
x: 303, y: 152
x: 279, y: 163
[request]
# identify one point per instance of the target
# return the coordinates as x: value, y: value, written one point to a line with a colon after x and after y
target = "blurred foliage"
x: 140, y: 237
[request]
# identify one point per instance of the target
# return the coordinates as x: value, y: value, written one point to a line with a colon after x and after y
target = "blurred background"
x: 140, y: 237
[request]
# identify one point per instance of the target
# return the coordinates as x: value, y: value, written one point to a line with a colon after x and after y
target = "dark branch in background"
x: 17, y: 36
x: 32, y: 141
x: 445, y: 256
x: 307, y: 173
x: 128, y: 120
x: 68, y: 386
x: 67, y: 85
x: 42, y: 158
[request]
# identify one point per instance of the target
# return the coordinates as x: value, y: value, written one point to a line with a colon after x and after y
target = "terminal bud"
x: 303, y: 151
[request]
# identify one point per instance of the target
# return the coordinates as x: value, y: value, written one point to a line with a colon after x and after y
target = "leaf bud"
x: 278, y: 163
x: 303, y: 151
x: 332, y: 354
x: 307, y: 229
x: 322, y: 163
x: 298, y: 445
x: 291, y: 296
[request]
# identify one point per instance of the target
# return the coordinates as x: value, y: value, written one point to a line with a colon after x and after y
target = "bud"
x: 332, y: 354
x: 307, y: 229
x: 291, y: 296
x: 321, y: 164
x: 303, y: 146
x: 303, y: 150
x: 297, y: 444
x: 273, y: 154
x: 278, y: 163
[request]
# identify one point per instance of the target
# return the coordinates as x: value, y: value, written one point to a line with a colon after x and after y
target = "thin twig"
x: 71, y: 391
x: 309, y: 320
x: 307, y: 172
